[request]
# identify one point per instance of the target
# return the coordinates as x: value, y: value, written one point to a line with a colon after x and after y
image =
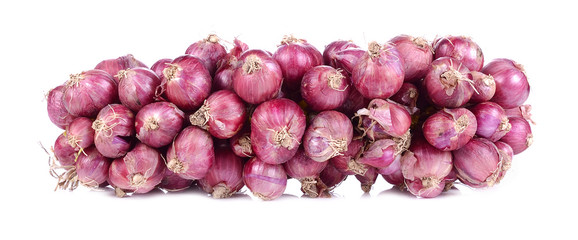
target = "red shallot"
x: 520, y: 135
x: 324, y: 88
x: 416, y: 53
x: 512, y: 87
x: 277, y: 127
x: 493, y: 123
x: 296, y: 57
x: 306, y: 170
x: 448, y: 83
x: 461, y: 48
x: 158, y: 123
x: 259, y: 77
x: 327, y: 136
x: 222, y: 114
x: 209, y: 50
x: 92, y: 168
x: 478, y: 164
x: 225, y: 177
x: 55, y: 107
x: 88, y: 92
x: 450, y: 129
x: 191, y: 154
x: 139, y: 171
x: 114, y: 130
x: 379, y: 73
x: 266, y: 181
x: 137, y: 87
x: 185, y: 82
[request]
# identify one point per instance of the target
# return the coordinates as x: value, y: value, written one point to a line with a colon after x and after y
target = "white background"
x: 42, y: 42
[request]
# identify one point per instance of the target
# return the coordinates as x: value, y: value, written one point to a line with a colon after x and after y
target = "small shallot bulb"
x: 329, y: 54
x: 324, y: 88
x: 113, y: 66
x: 478, y: 163
x: 328, y: 135
x: 306, y: 170
x: 80, y: 134
x: 223, y: 79
x: 379, y: 73
x: 383, y: 152
x: 88, y: 92
x: 114, y: 130
x: 92, y: 168
x: 225, y: 177
x: 137, y: 86
x: 159, y: 66
x: 347, y: 59
x: 368, y: 179
x: 241, y: 143
x: 507, y: 155
x: 296, y: 57
x: 523, y: 111
x: 64, y: 153
x: 417, y: 54
x: 277, y: 127
x: 448, y: 83
x: 493, y: 123
x: 512, y: 87
x: 158, y: 123
x: 222, y: 114
x: 331, y: 176
x: 259, y: 77
x: 139, y: 171
x: 186, y: 82
x: 424, y: 168
x: 347, y: 162
x: 450, y: 129
x: 407, y: 96
x: 392, y: 173
x: 384, y: 118
x: 520, y: 135
x: 485, y: 87
x: 55, y: 107
x: 209, y: 50
x: 461, y: 48
x: 266, y: 181
x: 172, y: 182
x: 191, y: 154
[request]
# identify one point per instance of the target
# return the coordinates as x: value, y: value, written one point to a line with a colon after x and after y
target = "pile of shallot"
x: 423, y: 115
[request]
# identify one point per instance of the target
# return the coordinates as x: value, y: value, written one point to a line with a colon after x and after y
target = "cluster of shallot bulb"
x: 422, y: 115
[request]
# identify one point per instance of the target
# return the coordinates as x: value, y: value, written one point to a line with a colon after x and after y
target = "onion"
x: 383, y: 118
x: 158, y: 123
x: 353, y: 102
x: 114, y: 130
x: 222, y: 114
x: 328, y: 135
x: 331, y: 176
x: 87, y: 92
x: 139, y: 171
x: 332, y: 48
x: 485, y: 87
x: 266, y: 181
x: 296, y: 57
x: 80, y: 134
x: 407, y: 96
x: 478, y: 163
x: 416, y: 53
x: 225, y: 177
x: 506, y: 155
x: 382, y: 152
x: 304, y: 169
x: 92, y: 168
x: 191, y: 154
x: 347, y: 162
x: 159, y: 66
x: 259, y: 77
x: 520, y: 135
x: 424, y: 168
x: 450, y: 129
x: 347, y: 59
x: 523, y: 111
x: 113, y: 66
x: 136, y: 87
x: 172, y: 182
x: 209, y: 50
x: 324, y: 88
x: 368, y: 179
x: 55, y: 107
x: 379, y: 73
x: 241, y: 143
x: 223, y: 79
x: 64, y: 153
x: 512, y: 87
x: 493, y: 123
x: 186, y: 82
x: 448, y: 83
x: 461, y: 48
x: 276, y: 130
x: 392, y: 173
